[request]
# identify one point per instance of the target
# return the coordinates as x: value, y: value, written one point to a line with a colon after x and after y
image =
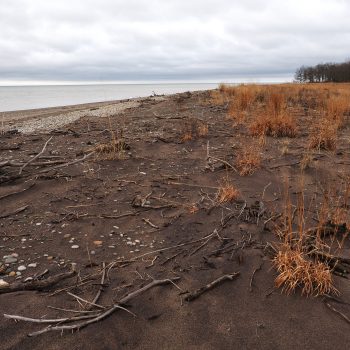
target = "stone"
x: 28, y: 279
x: 21, y: 268
x: 10, y: 260
x: 98, y: 242
x: 74, y: 246
x: 12, y: 274
x: 32, y: 265
x: 67, y: 235
x: 3, y: 284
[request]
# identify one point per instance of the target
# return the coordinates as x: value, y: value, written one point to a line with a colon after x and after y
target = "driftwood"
x: 38, y: 284
x: 17, y: 211
x: 196, y: 294
x: 93, y: 318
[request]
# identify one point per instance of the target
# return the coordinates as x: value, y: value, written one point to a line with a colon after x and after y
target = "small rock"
x: 74, y: 246
x: 98, y: 242
x: 129, y: 243
x: 21, y: 268
x: 50, y: 257
x: 3, y: 284
x: 33, y: 265
x: 92, y: 252
x: 18, y: 273
x: 67, y: 235
x: 12, y: 274
x: 10, y: 260
x: 28, y: 279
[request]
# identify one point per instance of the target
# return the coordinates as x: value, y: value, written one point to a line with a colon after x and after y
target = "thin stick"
x: 38, y: 285
x: 100, y: 288
x: 67, y: 164
x: 252, y: 278
x: 43, y: 320
x: 85, y: 301
x: 18, y: 192
x: 36, y: 157
x: 17, y: 211
x: 108, y: 312
x: 196, y: 294
x: 346, y: 318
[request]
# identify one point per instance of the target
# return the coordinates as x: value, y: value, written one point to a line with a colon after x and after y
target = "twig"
x: 38, y: 285
x: 148, y: 221
x: 18, y: 192
x: 196, y: 294
x: 17, y: 211
x: 252, y: 278
x: 100, y: 288
x: 108, y: 312
x: 85, y: 301
x: 346, y: 318
x: 67, y: 164
x: 36, y: 157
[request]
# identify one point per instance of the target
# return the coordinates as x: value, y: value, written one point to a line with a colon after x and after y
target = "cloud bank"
x: 152, y: 40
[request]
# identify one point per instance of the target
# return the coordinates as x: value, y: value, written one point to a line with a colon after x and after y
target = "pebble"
x: 21, y: 268
x: 33, y: 265
x: 67, y: 235
x: 3, y: 284
x: 12, y: 274
x: 50, y: 258
x: 10, y: 260
x: 129, y: 243
x: 28, y: 279
x: 18, y: 273
x: 92, y: 252
x: 74, y: 246
x: 98, y: 242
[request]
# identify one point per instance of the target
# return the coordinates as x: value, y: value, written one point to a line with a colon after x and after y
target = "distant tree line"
x: 327, y: 72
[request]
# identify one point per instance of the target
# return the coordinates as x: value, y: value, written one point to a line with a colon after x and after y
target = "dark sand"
x: 246, y: 313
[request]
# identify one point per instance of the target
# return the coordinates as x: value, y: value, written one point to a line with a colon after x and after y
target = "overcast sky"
x: 141, y: 40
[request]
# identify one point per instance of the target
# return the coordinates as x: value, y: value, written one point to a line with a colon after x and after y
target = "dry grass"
x: 249, y: 159
x: 194, y: 129
x: 280, y: 125
x: 324, y: 136
x: 297, y: 270
x: 227, y: 193
x: 297, y: 264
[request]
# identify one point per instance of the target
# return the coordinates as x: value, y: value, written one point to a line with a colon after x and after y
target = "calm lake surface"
x: 27, y: 97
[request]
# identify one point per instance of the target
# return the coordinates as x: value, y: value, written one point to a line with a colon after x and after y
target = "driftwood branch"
x: 38, y: 284
x: 93, y: 318
x: 196, y: 294
x: 36, y: 157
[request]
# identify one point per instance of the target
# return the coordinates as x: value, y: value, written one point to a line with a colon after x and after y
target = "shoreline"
x: 50, y: 118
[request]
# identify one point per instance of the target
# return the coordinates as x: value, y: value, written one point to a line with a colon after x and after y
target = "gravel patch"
x: 57, y: 121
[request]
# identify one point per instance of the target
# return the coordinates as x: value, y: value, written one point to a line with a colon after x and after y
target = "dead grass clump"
x: 336, y: 108
x: 276, y: 103
x: 249, y: 159
x: 324, y: 136
x: 202, y: 129
x: 296, y: 270
x: 111, y: 150
x: 193, y: 129
x: 227, y: 193
x: 299, y: 260
x: 280, y: 125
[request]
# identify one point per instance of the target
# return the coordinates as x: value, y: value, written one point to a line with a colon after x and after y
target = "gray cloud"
x: 173, y: 40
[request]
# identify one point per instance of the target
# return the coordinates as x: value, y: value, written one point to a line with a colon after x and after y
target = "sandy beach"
x: 124, y: 202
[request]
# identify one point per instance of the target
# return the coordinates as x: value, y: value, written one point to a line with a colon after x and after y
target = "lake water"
x: 28, y: 97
